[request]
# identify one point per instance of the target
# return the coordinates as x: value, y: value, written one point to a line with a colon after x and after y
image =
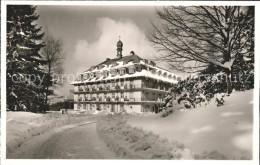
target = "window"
x: 105, y: 73
x: 122, y: 82
x: 131, y: 70
x: 164, y: 74
x: 98, y: 74
x: 122, y: 71
x: 122, y: 94
x: 85, y: 76
x: 113, y: 72
x: 113, y: 84
x: 152, y: 63
x: 81, y: 77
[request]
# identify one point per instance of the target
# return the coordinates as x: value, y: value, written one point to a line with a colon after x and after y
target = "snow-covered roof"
x: 143, y: 73
x: 125, y: 62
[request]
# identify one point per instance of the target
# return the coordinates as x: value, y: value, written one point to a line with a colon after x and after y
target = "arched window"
x: 164, y: 74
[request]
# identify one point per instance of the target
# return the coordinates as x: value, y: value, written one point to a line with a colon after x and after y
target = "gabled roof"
x: 134, y: 58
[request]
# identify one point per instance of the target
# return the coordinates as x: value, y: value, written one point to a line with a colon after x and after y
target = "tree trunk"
x: 229, y: 83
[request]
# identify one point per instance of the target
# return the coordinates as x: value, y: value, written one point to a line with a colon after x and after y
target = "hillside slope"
x: 227, y: 129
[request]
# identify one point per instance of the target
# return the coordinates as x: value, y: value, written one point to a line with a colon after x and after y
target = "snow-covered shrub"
x: 135, y: 143
x: 194, y: 92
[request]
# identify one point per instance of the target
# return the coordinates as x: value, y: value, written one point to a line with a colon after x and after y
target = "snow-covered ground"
x: 21, y: 126
x: 227, y: 129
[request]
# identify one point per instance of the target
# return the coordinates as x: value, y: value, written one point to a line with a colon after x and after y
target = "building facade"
x: 123, y: 84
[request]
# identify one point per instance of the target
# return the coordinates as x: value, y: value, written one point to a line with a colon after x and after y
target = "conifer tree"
x: 25, y: 74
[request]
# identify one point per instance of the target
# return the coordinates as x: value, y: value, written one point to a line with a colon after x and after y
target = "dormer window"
x: 174, y: 77
x: 138, y: 68
x: 131, y: 70
x: 105, y: 73
x: 170, y: 76
x: 113, y: 72
x: 98, y: 74
x: 164, y: 74
x: 152, y: 63
x: 92, y: 75
x: 86, y: 76
x: 159, y: 72
x: 122, y: 71
x: 81, y: 77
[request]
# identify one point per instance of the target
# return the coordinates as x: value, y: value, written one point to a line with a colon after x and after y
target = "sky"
x: 90, y: 33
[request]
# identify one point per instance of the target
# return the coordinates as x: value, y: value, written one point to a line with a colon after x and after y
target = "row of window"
x: 123, y: 71
x: 122, y: 86
x: 146, y: 97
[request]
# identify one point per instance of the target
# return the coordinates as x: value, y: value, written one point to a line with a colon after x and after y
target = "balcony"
x: 117, y: 99
x: 123, y: 87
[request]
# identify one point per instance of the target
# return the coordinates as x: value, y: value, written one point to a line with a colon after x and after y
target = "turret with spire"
x: 119, y: 48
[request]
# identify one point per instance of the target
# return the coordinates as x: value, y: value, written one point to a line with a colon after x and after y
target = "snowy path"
x: 227, y: 129
x: 69, y: 142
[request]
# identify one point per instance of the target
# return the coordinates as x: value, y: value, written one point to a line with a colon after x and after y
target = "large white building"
x: 123, y: 84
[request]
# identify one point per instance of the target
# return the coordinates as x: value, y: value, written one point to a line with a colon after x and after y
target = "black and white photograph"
x: 132, y: 82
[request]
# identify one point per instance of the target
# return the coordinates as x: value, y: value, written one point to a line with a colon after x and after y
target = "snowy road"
x: 68, y: 142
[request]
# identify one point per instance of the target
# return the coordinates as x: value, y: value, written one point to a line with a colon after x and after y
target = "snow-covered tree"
x: 25, y: 74
x: 192, y: 39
